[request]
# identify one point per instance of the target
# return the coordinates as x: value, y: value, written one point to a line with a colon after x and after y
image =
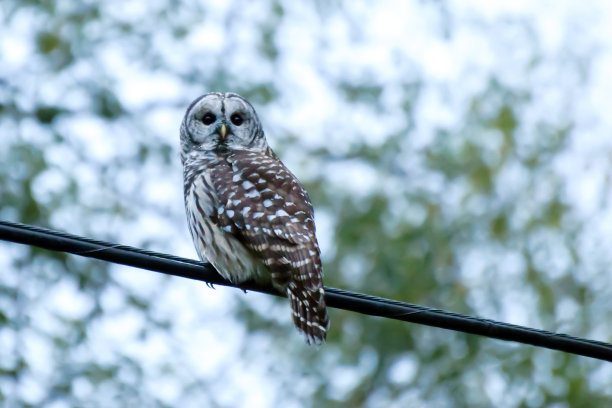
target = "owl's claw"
x: 210, y: 285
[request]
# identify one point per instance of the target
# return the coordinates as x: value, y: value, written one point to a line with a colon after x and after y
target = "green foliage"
x: 107, y: 105
x: 48, y: 42
x: 47, y: 114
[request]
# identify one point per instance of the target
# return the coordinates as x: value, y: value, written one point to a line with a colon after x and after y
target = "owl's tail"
x: 309, y: 312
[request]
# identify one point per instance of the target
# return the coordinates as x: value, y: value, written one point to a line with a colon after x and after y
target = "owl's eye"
x: 236, y: 119
x: 208, y: 118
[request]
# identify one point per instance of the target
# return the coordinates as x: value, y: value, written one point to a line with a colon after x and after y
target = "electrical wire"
x: 337, y: 298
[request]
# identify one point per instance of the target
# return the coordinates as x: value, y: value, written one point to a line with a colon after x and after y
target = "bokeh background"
x: 458, y: 154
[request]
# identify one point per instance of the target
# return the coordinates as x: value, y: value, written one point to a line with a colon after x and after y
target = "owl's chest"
x: 198, y: 186
x: 214, y: 242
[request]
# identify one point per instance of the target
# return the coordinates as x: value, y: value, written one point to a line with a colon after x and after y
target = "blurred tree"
x: 443, y: 147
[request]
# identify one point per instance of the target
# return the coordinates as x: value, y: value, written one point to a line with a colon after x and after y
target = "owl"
x: 248, y: 214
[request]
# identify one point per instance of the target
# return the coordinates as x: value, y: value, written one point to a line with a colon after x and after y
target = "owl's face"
x: 221, y: 121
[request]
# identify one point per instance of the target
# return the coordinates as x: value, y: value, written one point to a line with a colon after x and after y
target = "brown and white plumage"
x: 248, y: 214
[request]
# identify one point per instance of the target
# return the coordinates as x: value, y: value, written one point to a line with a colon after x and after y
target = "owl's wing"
x: 269, y: 211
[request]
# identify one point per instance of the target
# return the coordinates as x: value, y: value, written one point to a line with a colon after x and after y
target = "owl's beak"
x: 223, y: 131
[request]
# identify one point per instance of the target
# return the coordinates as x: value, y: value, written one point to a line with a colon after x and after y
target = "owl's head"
x: 220, y: 122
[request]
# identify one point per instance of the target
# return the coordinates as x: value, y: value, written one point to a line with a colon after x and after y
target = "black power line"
x: 338, y: 298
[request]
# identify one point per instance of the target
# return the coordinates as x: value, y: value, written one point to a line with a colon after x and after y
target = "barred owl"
x: 247, y: 213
